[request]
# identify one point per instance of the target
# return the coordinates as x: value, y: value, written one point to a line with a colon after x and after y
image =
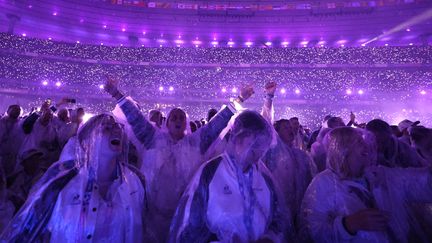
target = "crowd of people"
x: 238, y: 175
x: 236, y: 55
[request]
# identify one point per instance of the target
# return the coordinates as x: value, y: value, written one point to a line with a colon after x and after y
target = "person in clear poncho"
x: 291, y: 167
x: 355, y: 201
x: 170, y: 155
x: 11, y: 138
x: 95, y: 196
x: 391, y: 151
x: 233, y: 197
x: 44, y: 137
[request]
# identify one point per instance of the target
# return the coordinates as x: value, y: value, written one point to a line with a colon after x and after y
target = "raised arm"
x: 209, y: 133
x: 267, y: 109
x: 142, y: 129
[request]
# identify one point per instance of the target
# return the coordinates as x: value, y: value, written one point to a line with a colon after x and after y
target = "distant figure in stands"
x: 171, y: 155
x: 95, y: 197
x: 233, y: 197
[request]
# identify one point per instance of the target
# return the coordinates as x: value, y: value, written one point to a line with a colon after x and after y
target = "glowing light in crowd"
x: 360, y: 92
x: 283, y: 91
x: 87, y: 116
x: 297, y: 91
x: 45, y: 83
x: 101, y: 86
x: 234, y: 90
x: 171, y: 88
x: 224, y: 90
x: 422, y: 92
x: 348, y: 91
x: 161, y: 88
x: 58, y: 83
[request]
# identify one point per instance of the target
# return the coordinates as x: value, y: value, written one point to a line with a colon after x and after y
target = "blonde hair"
x: 341, y: 141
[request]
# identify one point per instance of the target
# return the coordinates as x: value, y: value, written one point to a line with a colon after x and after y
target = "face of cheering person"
x: 112, y: 136
x: 176, y: 123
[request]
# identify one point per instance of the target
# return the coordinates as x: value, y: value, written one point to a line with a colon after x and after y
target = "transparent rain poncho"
x: 167, y: 164
x: 293, y: 170
x: 43, y: 138
x: 333, y: 194
x: 222, y: 203
x: 66, y: 204
x: 11, y: 139
x: 235, y: 205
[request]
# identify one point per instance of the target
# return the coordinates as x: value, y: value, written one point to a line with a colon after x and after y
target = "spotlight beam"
x: 409, y: 23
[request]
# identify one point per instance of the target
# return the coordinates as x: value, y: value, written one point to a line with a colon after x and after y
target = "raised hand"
x: 111, y: 86
x: 270, y: 88
x: 352, y: 117
x: 246, y: 92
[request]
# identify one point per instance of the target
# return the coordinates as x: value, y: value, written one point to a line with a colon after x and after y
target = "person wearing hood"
x: 292, y: 168
x: 233, y: 197
x: 96, y: 196
x: 171, y: 155
x: 11, y: 138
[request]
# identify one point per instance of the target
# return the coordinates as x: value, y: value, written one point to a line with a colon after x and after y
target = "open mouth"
x: 115, y: 142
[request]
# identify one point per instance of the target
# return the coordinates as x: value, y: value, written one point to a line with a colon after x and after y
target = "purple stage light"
x: 224, y: 90
x: 161, y: 88
x: 45, y: 83
x: 248, y: 43
x: 24, y: 34
x: 411, y: 44
x: 123, y: 29
x: 179, y: 42
x: 297, y: 91
x: 77, y: 41
x: 49, y: 38
x: 58, y: 83
x: 386, y: 44
x: 104, y: 26
x: 234, y: 90
x: 283, y: 91
x: 171, y: 88
x: 408, y: 29
x: 54, y: 14
x: 348, y: 91
x: 230, y: 43
x: 102, y: 44
x: 360, y: 92
x: 268, y: 43
x: 214, y: 43
x: 423, y: 92
x: 101, y: 86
